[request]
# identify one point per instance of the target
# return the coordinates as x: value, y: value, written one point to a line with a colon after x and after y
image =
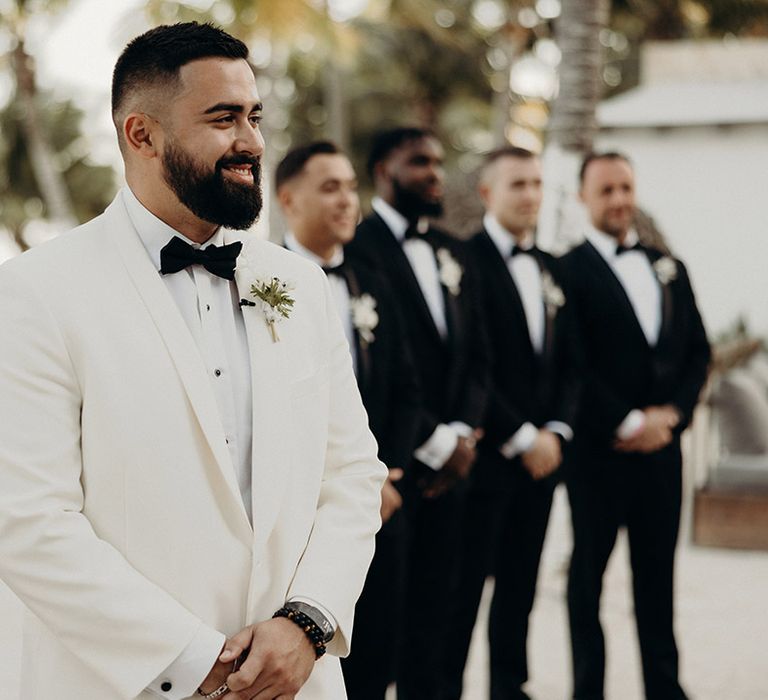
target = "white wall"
x: 707, y: 189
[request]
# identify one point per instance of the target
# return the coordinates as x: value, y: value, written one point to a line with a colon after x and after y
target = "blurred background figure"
x: 428, y: 271
x: 531, y: 411
x: 317, y: 190
x: 646, y: 355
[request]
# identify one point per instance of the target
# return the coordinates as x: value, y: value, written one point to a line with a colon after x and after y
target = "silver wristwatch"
x: 316, y: 616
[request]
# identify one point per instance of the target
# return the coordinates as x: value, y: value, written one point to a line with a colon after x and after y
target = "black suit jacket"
x: 621, y: 370
x: 386, y: 374
x: 452, y: 372
x: 526, y: 386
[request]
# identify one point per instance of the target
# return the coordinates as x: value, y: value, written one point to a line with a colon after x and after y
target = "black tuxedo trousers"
x: 502, y: 535
x: 643, y: 495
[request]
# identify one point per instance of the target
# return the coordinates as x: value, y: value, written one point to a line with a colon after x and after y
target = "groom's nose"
x: 249, y: 139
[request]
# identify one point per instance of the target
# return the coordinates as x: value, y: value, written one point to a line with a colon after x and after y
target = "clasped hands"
x: 458, y: 466
x: 278, y: 660
x: 656, y: 432
x: 544, y: 456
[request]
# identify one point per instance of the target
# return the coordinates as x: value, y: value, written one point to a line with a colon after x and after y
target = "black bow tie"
x: 177, y: 255
x: 517, y: 250
x: 413, y: 232
x: 621, y: 249
x: 335, y: 269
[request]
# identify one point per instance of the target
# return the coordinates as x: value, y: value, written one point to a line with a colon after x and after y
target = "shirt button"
x: 166, y: 686
x: 226, y: 440
x: 217, y: 372
x: 207, y: 307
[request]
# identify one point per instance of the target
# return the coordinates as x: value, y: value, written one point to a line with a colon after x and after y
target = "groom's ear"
x: 139, y: 132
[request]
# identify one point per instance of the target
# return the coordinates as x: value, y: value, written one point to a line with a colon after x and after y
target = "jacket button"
x: 166, y: 686
x: 217, y: 372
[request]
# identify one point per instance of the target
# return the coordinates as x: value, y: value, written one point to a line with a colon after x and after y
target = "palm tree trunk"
x: 41, y: 156
x: 573, y: 122
x: 335, y: 104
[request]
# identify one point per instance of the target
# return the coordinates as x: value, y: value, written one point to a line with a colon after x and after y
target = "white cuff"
x: 461, y: 429
x: 324, y: 611
x: 632, y: 424
x: 562, y: 429
x: 437, y: 450
x: 183, y: 677
x: 520, y: 442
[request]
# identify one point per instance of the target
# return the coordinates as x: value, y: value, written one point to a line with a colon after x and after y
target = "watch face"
x: 327, y: 630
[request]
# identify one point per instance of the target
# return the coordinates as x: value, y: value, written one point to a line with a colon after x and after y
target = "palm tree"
x: 573, y: 122
x: 41, y: 155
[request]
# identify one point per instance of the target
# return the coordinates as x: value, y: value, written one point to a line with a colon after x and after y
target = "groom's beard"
x: 412, y: 204
x: 209, y: 195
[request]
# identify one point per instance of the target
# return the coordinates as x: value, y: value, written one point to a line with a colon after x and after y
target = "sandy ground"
x: 722, y: 625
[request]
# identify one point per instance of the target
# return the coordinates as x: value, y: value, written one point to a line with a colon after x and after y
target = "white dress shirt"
x: 209, y: 306
x: 526, y: 275
x: 211, y: 310
x: 338, y: 285
x: 635, y: 273
x: 422, y: 259
x: 436, y: 451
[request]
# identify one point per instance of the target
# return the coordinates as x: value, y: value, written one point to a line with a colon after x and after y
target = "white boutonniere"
x: 553, y: 295
x: 365, y: 318
x: 450, y: 271
x: 275, y: 300
x: 665, y: 269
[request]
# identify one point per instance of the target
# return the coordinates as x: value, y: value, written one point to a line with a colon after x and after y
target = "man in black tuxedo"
x: 531, y: 410
x: 645, y: 361
x: 317, y: 190
x: 431, y: 279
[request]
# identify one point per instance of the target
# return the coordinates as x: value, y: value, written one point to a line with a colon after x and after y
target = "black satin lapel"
x: 398, y: 262
x: 666, y: 313
x: 361, y: 346
x: 667, y: 304
x: 604, y: 270
x: 453, y: 318
x: 513, y: 294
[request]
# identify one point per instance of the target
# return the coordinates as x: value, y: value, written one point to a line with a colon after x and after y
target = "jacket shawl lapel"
x: 182, y: 349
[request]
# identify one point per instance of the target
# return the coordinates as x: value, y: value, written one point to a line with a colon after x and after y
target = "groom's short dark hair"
x: 153, y: 59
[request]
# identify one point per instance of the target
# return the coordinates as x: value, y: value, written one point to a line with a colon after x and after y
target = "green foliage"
x: 425, y: 62
x: 57, y: 127
x: 91, y: 187
x: 680, y: 19
x: 276, y: 294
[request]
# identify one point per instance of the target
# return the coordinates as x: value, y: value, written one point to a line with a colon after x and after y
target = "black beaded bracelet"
x: 313, y: 632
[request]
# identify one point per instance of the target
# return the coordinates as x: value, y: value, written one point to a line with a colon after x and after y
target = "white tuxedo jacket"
x: 121, y: 525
